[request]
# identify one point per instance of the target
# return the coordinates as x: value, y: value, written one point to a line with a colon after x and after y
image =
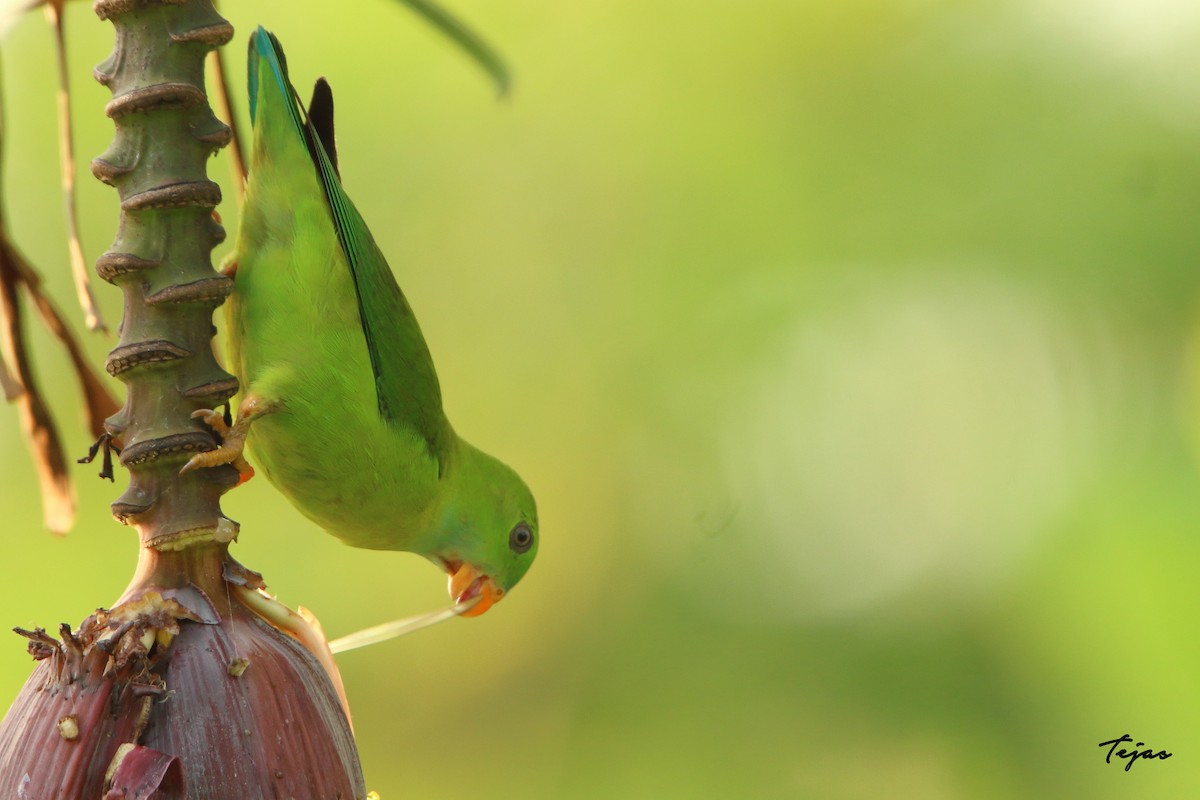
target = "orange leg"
x: 234, y: 437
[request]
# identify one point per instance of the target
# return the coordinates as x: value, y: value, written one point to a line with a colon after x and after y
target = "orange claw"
x: 233, y: 437
x: 245, y: 472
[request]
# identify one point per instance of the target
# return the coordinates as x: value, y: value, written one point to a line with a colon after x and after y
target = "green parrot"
x: 336, y: 376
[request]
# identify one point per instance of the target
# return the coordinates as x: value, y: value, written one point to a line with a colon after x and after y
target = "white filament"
x: 400, y: 627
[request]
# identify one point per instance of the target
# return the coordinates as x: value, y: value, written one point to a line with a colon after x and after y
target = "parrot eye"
x: 521, y: 538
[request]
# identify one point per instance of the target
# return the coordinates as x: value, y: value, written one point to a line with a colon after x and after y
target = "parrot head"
x: 489, y: 533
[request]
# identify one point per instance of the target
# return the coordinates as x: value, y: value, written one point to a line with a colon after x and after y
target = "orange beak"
x: 469, y: 585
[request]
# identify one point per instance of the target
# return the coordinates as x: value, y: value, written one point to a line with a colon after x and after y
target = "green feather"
x: 320, y: 330
x: 406, y: 383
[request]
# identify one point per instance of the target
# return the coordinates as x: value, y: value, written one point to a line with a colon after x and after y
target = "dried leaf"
x: 8, y: 384
x: 219, y: 92
x: 58, y: 499
x: 79, y: 268
x: 100, y: 403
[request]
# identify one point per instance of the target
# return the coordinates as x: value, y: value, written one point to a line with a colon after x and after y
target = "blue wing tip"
x: 264, y: 46
x: 261, y: 40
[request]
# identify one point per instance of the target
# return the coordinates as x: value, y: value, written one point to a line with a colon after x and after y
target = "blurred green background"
x: 848, y: 348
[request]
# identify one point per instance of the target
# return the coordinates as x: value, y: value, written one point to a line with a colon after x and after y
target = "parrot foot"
x: 233, y: 437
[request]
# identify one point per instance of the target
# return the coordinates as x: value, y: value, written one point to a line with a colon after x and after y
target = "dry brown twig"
x: 66, y: 147
x: 58, y: 498
x: 8, y: 384
x: 20, y: 384
x: 220, y: 99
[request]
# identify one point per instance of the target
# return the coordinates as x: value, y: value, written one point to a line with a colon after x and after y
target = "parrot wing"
x: 406, y: 383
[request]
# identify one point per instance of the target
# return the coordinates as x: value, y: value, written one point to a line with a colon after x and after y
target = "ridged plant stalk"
x: 179, y: 687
